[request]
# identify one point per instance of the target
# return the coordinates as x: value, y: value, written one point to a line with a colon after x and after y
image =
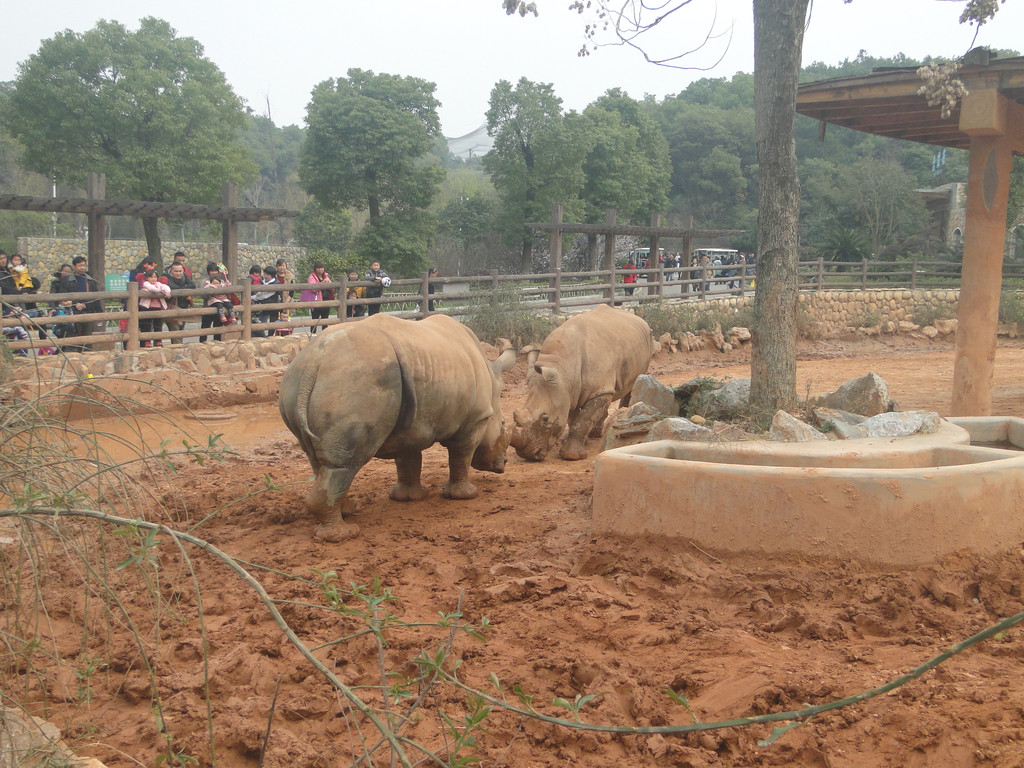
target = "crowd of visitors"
x: 159, y: 293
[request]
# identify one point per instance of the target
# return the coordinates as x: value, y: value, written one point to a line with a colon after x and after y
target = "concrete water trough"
x: 899, y: 501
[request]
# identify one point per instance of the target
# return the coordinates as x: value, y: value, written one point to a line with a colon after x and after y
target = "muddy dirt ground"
x: 570, y: 615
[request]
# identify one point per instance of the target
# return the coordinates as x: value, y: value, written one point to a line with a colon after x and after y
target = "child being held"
x: 220, y: 301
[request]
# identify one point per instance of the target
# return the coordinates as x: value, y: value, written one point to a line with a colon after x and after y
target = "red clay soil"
x: 625, y: 619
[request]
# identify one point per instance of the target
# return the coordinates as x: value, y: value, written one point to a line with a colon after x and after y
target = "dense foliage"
x: 366, y: 145
x: 383, y: 184
x: 144, y: 107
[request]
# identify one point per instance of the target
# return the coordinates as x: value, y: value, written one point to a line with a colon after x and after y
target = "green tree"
x: 319, y: 228
x: 878, y: 196
x: 652, y: 164
x: 146, y: 108
x: 844, y: 245
x: 627, y: 163
x: 537, y: 160
x: 368, y: 146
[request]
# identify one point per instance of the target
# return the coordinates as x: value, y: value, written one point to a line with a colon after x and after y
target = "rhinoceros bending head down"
x: 391, y: 388
x: 582, y: 366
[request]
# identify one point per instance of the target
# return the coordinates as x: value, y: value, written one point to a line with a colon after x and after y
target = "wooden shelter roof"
x: 887, y: 103
x: 141, y: 208
x: 635, y: 230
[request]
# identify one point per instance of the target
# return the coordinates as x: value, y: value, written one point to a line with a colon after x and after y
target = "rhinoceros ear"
x: 549, y: 374
x: 505, y: 362
x: 531, y: 356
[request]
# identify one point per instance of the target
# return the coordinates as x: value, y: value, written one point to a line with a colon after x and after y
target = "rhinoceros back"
x: 395, y: 383
x: 605, y: 348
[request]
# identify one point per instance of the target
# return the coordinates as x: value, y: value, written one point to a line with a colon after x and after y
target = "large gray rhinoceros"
x: 390, y: 388
x: 590, y: 360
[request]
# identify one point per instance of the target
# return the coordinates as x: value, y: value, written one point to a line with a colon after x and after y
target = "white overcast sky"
x: 277, y: 51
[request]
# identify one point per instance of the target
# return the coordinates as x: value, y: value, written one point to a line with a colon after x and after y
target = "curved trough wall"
x: 901, y: 501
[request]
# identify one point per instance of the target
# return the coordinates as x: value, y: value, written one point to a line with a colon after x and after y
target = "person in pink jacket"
x: 315, y: 293
x: 153, y: 297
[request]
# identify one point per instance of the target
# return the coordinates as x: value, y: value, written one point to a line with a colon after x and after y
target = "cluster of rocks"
x: 861, y: 407
x: 705, y: 339
x: 181, y: 375
x: 45, y: 254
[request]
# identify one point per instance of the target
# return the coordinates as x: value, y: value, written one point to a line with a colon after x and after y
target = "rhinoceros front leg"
x: 329, y: 502
x: 587, y: 419
x: 408, y: 487
x: 459, y: 457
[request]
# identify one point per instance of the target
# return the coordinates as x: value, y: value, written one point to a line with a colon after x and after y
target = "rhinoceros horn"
x: 517, y: 435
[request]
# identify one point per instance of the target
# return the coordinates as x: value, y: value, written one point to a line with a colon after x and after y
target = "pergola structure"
x: 556, y: 228
x: 96, y: 207
x: 989, y: 123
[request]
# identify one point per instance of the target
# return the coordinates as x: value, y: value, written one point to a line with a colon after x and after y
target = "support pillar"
x: 608, y: 264
x: 229, y: 235
x: 654, y: 288
x: 988, y: 184
x: 96, y: 189
x: 555, y: 249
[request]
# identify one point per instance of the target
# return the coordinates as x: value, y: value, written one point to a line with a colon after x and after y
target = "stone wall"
x: 45, y: 254
x: 839, y: 310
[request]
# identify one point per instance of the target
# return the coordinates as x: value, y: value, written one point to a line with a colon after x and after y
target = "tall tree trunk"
x: 526, y: 264
x: 149, y: 226
x: 778, y: 40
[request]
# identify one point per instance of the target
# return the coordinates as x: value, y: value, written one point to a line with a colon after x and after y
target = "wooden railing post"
x: 863, y: 274
x: 246, y: 311
x: 821, y: 274
x: 424, y: 294
x: 132, y: 305
x: 341, y: 297
x: 610, y: 216
x: 653, y: 256
x: 913, y: 273
x: 556, y: 285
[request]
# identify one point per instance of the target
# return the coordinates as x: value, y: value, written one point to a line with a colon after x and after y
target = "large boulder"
x: 787, y: 428
x: 842, y: 424
x: 629, y: 426
x: 647, y: 389
x: 900, y: 424
x: 867, y: 395
x: 726, y: 402
x: 679, y: 429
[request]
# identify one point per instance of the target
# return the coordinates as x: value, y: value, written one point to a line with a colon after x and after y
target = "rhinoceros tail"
x: 306, y: 384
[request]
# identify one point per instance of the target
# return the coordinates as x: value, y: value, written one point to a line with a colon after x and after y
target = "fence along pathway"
x: 411, y: 298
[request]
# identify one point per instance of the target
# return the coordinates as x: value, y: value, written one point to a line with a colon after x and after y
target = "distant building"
x: 948, y: 208
x: 475, y: 144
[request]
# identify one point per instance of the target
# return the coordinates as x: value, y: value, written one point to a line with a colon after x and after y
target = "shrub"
x: 929, y: 314
x: 506, y: 317
x: 1011, y: 308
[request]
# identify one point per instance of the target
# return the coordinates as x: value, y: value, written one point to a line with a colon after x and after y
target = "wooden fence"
x: 412, y: 298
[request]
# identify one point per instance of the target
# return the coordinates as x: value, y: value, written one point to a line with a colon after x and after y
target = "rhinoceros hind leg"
x: 402, y: 492
x: 332, y: 522
x: 408, y: 487
x: 334, y: 532
x: 328, y: 500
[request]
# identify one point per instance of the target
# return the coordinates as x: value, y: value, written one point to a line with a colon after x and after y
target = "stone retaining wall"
x: 839, y: 310
x: 46, y: 254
